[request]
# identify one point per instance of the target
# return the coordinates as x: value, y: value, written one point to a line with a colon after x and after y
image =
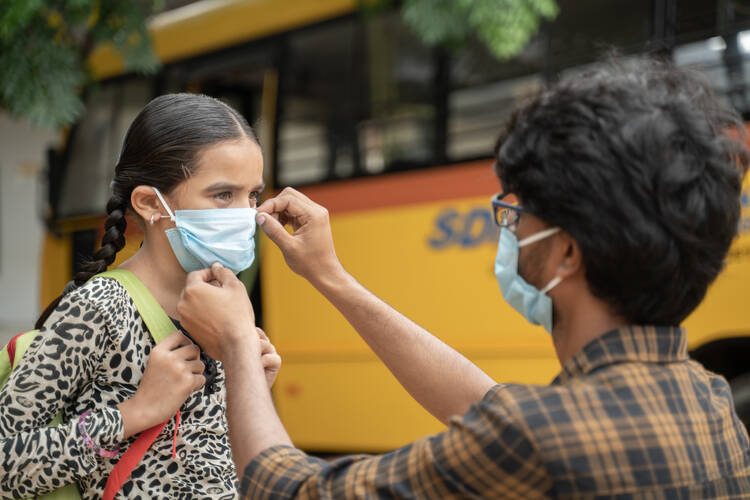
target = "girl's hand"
x: 173, y: 372
x: 269, y: 358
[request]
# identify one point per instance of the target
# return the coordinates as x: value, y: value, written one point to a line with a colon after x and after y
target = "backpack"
x: 160, y: 326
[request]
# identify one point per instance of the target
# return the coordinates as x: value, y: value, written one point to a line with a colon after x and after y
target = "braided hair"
x: 161, y: 149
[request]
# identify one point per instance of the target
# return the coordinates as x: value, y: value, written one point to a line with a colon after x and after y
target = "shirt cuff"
x: 105, y: 428
x: 278, y: 472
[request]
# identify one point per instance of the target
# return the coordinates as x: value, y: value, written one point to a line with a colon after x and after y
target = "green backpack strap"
x: 157, y: 321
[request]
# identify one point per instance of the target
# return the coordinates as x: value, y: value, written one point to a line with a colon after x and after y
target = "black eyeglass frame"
x: 497, y: 203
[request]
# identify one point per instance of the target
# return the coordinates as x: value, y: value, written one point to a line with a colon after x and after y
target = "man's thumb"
x: 222, y: 274
x: 274, y: 230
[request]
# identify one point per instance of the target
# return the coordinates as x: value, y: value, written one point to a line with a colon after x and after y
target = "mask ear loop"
x: 535, y: 237
x: 552, y: 284
x: 164, y: 204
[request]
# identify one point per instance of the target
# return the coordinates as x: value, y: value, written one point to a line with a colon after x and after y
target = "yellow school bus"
x: 394, y: 138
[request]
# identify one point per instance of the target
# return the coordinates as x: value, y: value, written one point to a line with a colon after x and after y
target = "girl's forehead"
x: 234, y: 158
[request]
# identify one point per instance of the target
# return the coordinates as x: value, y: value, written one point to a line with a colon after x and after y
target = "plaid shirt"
x: 630, y: 416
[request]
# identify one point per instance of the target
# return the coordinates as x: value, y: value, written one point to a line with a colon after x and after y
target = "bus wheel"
x: 741, y: 392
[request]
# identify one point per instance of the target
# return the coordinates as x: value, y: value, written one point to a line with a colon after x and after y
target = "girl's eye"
x: 255, y: 195
x: 225, y: 196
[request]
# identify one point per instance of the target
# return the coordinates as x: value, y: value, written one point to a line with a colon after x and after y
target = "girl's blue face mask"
x: 533, y: 303
x: 202, y: 237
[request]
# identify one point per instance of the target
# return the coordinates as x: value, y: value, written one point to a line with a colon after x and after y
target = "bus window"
x: 695, y: 19
x: 317, y: 112
x: 483, y: 92
x: 477, y: 113
x: 357, y: 98
x: 586, y: 28
x: 399, y: 127
x: 96, y: 145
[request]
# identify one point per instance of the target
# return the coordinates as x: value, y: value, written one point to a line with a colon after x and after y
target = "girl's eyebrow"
x: 225, y: 186
x: 222, y: 186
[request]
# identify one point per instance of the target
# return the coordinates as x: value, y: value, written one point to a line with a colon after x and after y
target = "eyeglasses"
x: 506, y: 209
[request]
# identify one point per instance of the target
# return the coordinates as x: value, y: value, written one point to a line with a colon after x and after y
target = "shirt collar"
x: 646, y: 344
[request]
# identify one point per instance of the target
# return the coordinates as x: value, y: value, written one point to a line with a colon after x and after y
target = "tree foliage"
x: 45, y: 45
x: 505, y: 26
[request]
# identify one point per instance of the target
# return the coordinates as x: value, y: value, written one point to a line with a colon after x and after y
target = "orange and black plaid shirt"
x: 630, y: 416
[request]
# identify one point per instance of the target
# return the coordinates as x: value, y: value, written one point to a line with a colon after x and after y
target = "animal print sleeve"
x: 61, y: 360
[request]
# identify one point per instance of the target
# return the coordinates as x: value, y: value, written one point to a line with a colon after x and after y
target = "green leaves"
x: 40, y: 79
x: 505, y: 26
x: 44, y: 47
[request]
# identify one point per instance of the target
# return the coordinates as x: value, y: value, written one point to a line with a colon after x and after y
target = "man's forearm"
x: 442, y: 380
x: 254, y: 424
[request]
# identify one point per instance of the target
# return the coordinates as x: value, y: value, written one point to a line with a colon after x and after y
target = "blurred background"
x: 384, y: 112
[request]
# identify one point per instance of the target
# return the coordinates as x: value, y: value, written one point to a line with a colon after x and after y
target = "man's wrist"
x: 238, y: 343
x: 331, y: 279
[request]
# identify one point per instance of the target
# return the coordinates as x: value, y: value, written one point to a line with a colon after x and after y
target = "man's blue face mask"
x: 202, y: 237
x: 533, y: 303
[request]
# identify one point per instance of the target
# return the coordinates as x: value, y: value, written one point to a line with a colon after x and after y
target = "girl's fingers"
x: 188, y: 352
x: 196, y: 367
x: 271, y: 361
x: 266, y: 348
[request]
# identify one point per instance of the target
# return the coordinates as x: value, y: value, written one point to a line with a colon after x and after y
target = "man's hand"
x: 215, y: 309
x: 309, y: 250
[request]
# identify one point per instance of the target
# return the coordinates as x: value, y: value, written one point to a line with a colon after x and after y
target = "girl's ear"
x: 146, y: 204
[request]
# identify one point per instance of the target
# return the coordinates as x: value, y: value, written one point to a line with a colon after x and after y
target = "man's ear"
x: 145, y: 203
x: 572, y: 260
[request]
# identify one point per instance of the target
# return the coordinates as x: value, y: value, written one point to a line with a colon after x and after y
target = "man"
x: 620, y: 198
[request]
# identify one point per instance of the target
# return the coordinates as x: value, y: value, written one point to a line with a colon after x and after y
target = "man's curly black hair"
x: 642, y: 165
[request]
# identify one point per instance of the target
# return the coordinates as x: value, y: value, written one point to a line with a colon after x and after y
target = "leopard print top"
x: 91, y: 355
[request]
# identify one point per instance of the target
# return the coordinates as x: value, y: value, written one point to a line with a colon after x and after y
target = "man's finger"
x: 200, y: 276
x: 274, y: 230
x: 292, y: 203
x: 223, y: 275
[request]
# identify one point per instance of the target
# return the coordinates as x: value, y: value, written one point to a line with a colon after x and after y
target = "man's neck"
x: 587, y: 319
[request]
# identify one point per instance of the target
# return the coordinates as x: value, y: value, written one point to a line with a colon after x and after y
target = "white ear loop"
x: 552, y: 284
x: 535, y: 237
x: 164, y: 203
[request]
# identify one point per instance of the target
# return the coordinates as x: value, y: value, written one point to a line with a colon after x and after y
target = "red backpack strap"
x: 12, y: 349
x: 130, y: 459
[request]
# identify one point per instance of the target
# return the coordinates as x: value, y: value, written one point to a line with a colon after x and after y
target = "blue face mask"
x: 534, y: 304
x: 202, y: 237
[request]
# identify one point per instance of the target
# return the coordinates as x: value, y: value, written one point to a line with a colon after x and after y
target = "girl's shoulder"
x: 103, y: 293
x: 104, y: 298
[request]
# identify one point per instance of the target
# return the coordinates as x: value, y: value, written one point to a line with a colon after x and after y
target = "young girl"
x: 190, y: 173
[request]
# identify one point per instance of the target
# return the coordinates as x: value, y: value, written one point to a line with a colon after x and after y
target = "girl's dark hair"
x: 640, y: 163
x: 160, y: 149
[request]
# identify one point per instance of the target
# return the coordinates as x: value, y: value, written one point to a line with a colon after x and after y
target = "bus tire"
x: 741, y: 392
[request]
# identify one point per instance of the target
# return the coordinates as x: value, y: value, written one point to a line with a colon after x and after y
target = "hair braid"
x: 113, y: 241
